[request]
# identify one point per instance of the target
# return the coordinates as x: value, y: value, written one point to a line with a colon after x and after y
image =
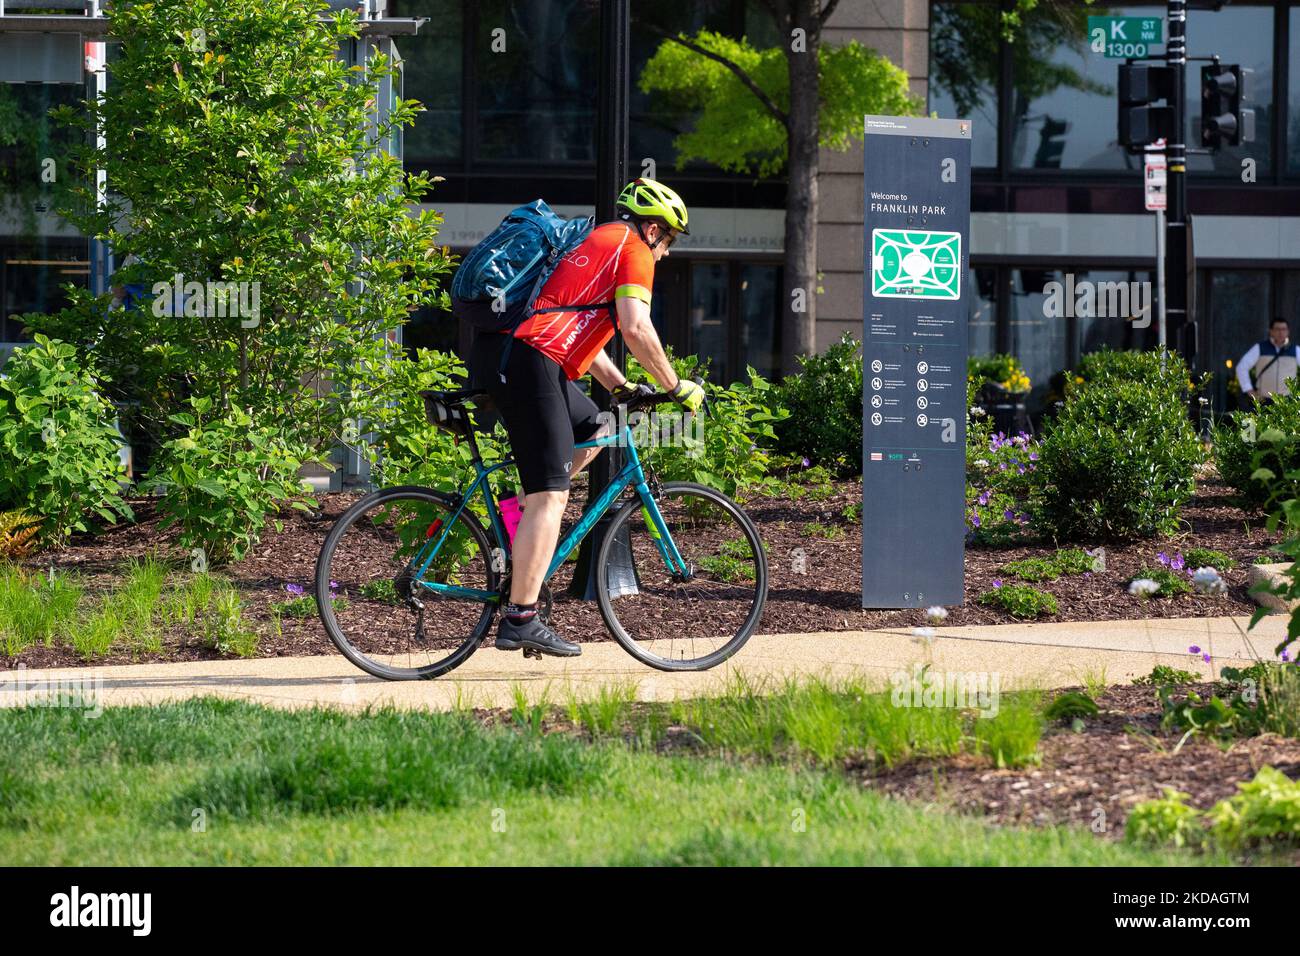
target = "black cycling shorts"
x: 544, y: 413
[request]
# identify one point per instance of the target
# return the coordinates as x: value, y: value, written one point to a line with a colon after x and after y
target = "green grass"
x: 602, y: 714
x: 222, y: 782
x: 1020, y: 600
x: 34, y: 609
x: 136, y: 604
x: 815, y: 529
x: 825, y: 722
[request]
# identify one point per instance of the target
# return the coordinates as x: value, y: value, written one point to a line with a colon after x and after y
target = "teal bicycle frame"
x: 631, y: 474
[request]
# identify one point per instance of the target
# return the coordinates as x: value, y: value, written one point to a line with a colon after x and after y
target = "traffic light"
x: 1223, y: 120
x: 1141, y: 86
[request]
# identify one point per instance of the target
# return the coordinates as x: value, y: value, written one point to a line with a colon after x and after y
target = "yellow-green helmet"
x: 654, y: 200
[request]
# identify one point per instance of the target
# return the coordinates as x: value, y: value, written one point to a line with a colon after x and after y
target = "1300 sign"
x: 1120, y: 37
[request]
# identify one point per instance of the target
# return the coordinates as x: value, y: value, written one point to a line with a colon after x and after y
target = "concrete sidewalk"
x: 1041, y: 655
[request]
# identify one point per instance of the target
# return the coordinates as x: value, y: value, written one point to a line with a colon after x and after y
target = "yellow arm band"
x: 633, y: 291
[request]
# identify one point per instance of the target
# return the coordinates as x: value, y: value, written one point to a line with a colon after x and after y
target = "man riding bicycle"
x: 544, y: 413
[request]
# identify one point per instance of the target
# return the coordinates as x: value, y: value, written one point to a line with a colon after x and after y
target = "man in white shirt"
x: 1271, y: 363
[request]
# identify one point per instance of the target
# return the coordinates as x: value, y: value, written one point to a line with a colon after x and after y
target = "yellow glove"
x: 688, y: 395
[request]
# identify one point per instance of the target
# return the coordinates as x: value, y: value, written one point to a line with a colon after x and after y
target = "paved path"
x: 1042, y: 655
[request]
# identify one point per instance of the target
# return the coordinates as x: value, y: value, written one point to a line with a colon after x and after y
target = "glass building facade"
x: 1053, y: 191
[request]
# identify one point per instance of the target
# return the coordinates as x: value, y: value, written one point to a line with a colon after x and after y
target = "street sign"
x: 1120, y: 37
x: 916, y: 232
x: 1155, y: 169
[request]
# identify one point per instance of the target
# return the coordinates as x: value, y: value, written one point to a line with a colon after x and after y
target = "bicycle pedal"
x: 532, y: 652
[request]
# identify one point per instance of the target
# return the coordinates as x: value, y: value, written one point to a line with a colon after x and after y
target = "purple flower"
x: 1087, y: 574
x: 1193, y: 650
x: 997, y: 582
x: 975, y: 520
x: 1163, y: 558
x: 1177, y: 562
x: 1009, y: 515
x: 984, y: 498
x: 1021, y: 469
x: 1002, y: 467
x: 1033, y: 456
x: 1286, y: 656
x: 806, y: 463
x: 1206, y: 658
x: 294, y: 589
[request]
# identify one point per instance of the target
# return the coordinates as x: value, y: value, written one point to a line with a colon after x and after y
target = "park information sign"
x: 916, y: 242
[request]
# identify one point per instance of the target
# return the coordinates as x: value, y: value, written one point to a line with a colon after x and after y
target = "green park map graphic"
x: 909, y: 262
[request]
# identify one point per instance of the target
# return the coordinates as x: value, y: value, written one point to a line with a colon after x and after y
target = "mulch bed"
x: 825, y: 598
x: 1093, y: 778
x: 1089, y: 779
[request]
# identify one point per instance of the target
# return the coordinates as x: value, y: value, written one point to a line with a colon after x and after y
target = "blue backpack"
x: 501, y: 277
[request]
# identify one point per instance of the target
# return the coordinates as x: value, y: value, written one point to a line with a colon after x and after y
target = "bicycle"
x: 409, y: 576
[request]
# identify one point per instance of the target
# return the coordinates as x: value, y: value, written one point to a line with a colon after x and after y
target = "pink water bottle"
x: 511, y: 514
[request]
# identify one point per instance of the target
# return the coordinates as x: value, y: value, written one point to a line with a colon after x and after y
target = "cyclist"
x: 544, y: 413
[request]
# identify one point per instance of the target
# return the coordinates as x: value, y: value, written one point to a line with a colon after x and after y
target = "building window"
x: 964, y: 68
x: 709, y: 317
x: 432, y: 64
x: 1063, y: 107
x: 982, y: 323
x: 1239, y: 311
x: 1293, y: 95
x: 536, y: 80
x: 1238, y: 34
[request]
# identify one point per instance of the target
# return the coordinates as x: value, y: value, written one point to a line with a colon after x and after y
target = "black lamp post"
x: 611, y: 176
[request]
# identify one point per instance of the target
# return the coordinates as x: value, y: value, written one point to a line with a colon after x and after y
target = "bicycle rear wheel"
x: 691, y: 621
x: 383, y: 616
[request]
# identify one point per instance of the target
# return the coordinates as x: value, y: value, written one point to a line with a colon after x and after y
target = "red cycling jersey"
x: 610, y: 263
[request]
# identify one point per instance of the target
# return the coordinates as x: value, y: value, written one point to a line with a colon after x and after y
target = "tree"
x: 240, y: 149
x: 761, y: 110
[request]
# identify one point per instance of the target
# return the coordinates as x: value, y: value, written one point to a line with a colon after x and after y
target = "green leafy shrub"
x: 1163, y: 675
x: 825, y: 404
x: 727, y: 449
x: 1165, y: 822
x: 405, y: 448
x: 248, y: 161
x: 1000, y: 369
x: 222, y: 479
x: 1167, y: 372
x: 1257, y: 453
x: 1020, y: 600
x: 1170, y: 583
x: 1267, y: 810
x: 1264, y: 812
x: 58, y: 448
x: 1032, y: 569
x: 1208, y: 558
x: 1117, y: 463
x: 1071, y: 705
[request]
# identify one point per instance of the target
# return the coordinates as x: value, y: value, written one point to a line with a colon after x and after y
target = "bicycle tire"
x: 626, y: 512
x: 325, y: 571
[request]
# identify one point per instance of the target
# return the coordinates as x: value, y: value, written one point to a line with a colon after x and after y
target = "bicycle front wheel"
x: 408, y: 587
x: 686, y: 616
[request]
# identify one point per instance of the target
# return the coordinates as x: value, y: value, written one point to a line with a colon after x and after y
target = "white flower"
x: 923, y: 635
x: 977, y: 412
x: 1143, y: 587
x: 1208, y: 581
x: 982, y: 463
x: 936, y: 614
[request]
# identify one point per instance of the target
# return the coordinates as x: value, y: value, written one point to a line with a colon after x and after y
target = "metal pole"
x: 1160, y: 283
x: 1181, y: 323
x: 611, y: 174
